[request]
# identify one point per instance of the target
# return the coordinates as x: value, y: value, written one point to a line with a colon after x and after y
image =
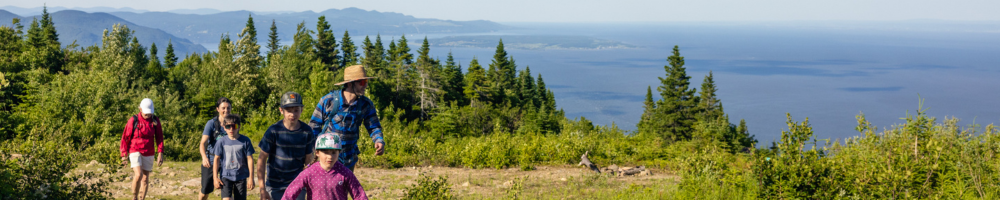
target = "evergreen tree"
x: 326, y: 45
x: 649, y: 108
x: 475, y: 82
x: 153, y: 59
x: 49, y: 28
x: 379, y: 56
x: 497, y: 75
x: 545, y: 96
x: 454, y: 82
x: 350, y: 51
x: 424, y: 57
x: 402, y: 53
x: 709, y: 105
x: 247, y: 47
x: 675, y: 112
x: 169, y: 59
x: 527, y: 91
x: 273, y: 40
x: 302, y: 40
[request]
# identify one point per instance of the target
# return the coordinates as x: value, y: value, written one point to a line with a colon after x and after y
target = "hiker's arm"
x: 205, y: 133
x: 261, y: 168
x: 204, y: 156
x: 310, y: 158
x: 215, y: 172
x: 267, y: 146
x: 357, y: 192
x: 375, y: 129
x: 295, y: 188
x: 318, y: 115
x: 158, y: 133
x: 251, y: 184
x: 126, y: 139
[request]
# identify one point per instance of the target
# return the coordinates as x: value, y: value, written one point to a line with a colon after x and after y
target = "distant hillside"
x: 86, y: 29
x: 206, y: 29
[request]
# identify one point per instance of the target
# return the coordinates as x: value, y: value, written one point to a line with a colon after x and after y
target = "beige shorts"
x: 137, y: 160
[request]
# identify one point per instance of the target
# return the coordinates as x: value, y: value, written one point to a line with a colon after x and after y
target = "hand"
x: 264, y: 195
x: 378, y: 149
x: 205, y: 163
x: 218, y: 183
x: 124, y: 161
x: 159, y: 160
x: 250, y: 185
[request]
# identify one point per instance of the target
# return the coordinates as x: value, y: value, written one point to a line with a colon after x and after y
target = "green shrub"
x: 40, y: 170
x: 427, y: 188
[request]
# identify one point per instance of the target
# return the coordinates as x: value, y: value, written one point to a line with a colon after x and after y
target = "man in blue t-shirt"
x: 286, y: 148
x: 233, y: 156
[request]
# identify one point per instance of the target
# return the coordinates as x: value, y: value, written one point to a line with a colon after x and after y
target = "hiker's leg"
x: 136, y: 177
x: 207, y: 183
x: 145, y: 184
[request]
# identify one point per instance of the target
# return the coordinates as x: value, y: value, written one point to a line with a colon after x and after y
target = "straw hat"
x: 353, y: 73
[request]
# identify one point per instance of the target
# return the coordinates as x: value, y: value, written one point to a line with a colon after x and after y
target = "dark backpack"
x: 135, y: 123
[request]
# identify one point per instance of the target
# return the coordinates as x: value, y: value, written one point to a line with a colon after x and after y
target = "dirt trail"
x: 181, y: 180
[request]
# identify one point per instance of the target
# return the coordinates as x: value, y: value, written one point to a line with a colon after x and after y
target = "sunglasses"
x: 231, y: 126
x: 362, y: 82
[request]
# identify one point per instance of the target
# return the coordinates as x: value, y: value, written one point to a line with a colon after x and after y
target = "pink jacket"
x: 335, y: 184
x: 142, y: 139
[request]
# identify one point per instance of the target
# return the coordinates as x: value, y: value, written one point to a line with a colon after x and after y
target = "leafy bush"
x: 427, y: 188
x: 41, y: 170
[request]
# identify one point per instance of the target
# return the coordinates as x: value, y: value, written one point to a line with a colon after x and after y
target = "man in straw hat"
x: 341, y: 112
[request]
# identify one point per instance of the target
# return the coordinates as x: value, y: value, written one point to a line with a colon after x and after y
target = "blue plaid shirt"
x: 334, y: 115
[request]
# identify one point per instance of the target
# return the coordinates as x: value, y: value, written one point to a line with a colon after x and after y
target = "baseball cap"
x: 291, y: 99
x: 146, y: 106
x: 328, y: 141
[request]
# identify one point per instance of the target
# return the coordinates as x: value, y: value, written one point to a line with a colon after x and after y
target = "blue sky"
x: 592, y: 10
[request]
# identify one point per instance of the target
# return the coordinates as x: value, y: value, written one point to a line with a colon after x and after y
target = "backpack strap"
x: 135, y: 124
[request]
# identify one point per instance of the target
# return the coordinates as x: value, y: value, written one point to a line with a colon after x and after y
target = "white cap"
x: 146, y: 106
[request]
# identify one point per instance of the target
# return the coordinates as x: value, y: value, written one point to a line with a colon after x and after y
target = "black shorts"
x: 207, y: 185
x: 237, y: 190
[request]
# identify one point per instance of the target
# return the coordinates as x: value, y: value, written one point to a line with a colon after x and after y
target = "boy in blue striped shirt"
x: 286, y: 148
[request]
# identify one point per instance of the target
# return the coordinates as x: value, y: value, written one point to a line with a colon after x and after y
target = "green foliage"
x: 32, y: 169
x: 350, y: 56
x: 674, y: 114
x: 427, y: 188
x: 326, y: 45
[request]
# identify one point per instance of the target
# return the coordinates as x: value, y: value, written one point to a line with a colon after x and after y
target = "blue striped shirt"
x: 287, y: 151
x: 334, y: 115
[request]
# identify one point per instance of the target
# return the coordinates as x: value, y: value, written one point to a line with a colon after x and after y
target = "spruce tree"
x: 454, y: 81
x: 709, y: 106
x: 49, y: 28
x: 649, y: 108
x: 153, y: 58
x: 497, y: 75
x: 676, y: 109
x: 36, y: 37
x: 370, y: 59
x: 403, y: 51
x: 350, y: 51
x: 302, y: 41
x: 272, y: 40
x: 424, y: 57
x: 475, y: 82
x: 527, y: 89
x: 169, y: 59
x: 379, y: 54
x: 326, y: 45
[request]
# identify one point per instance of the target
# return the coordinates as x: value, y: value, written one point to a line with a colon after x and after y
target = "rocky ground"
x: 180, y: 180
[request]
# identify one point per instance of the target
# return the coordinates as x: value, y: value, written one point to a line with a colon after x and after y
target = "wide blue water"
x: 826, y: 71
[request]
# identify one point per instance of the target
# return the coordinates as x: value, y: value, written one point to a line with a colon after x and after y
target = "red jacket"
x: 142, y: 140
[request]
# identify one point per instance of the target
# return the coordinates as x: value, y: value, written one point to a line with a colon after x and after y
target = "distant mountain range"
x: 87, y: 29
x: 207, y: 29
x: 530, y: 42
x: 191, y: 29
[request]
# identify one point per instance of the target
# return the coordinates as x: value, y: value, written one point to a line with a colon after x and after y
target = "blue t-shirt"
x: 233, y: 157
x: 287, y: 151
x: 214, y: 131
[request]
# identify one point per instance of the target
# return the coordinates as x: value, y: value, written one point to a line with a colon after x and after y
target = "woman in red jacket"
x: 141, y: 132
